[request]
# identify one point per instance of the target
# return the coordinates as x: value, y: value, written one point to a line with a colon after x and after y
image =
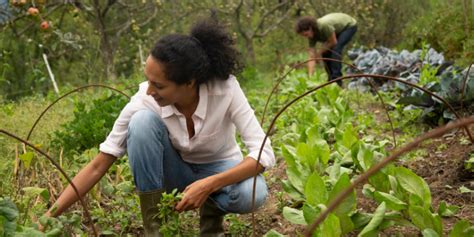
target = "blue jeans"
x: 157, y: 165
x: 334, y: 68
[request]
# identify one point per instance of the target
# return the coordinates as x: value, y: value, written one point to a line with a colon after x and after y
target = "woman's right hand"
x: 84, y: 181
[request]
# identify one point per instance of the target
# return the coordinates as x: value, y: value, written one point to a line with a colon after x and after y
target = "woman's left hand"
x: 196, y: 194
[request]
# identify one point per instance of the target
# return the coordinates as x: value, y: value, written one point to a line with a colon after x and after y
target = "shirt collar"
x: 201, y: 109
x: 202, y: 106
x: 167, y: 111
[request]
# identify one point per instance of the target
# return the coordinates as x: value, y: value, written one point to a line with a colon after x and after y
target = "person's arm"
x: 330, y: 42
x: 83, y: 181
x: 311, y: 55
x: 196, y: 193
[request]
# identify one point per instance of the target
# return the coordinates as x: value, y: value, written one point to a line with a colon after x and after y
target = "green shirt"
x: 330, y: 23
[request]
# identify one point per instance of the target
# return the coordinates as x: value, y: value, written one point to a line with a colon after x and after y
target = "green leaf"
x: 380, y: 181
x: 291, y: 190
x: 294, y: 216
x: 273, y: 233
x: 429, y: 233
x: 28, y: 231
x: 365, y: 157
x: 334, y: 172
x: 107, y: 232
x: 125, y: 187
x: 376, y: 220
x: 3, y: 221
x: 346, y: 159
x: 415, y: 200
x: 296, y: 179
x: 43, y: 220
x: 7, y: 225
x: 315, y: 190
x: 310, y: 213
x: 26, y: 158
x: 424, y: 219
x: 289, y: 155
x: 322, y: 150
x: 8, y: 209
x: 446, y: 210
x: 394, y: 185
x: 33, y: 192
x: 296, y: 173
x: 462, y: 228
x: 368, y: 190
x: 392, y: 202
x: 465, y: 190
x: 308, y: 157
x: 346, y: 224
x: 56, y: 232
x: 414, y: 184
x: 395, y: 219
x: 349, y: 137
x: 331, y: 226
x: 361, y: 219
x: 348, y: 204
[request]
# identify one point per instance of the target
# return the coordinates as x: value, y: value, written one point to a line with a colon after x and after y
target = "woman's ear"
x: 191, y: 83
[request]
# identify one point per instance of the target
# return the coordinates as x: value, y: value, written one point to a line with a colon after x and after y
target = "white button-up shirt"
x: 222, y: 108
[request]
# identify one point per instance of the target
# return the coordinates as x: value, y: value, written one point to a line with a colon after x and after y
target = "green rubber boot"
x: 211, y: 219
x: 148, y: 206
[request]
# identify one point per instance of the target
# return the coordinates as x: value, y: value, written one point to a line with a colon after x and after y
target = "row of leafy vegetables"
x: 323, y: 153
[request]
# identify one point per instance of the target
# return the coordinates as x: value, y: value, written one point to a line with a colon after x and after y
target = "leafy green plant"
x: 428, y: 73
x: 90, y: 125
x: 462, y: 228
x: 168, y: 216
x: 469, y: 163
x: 237, y: 227
x: 322, y: 159
x: 449, y: 88
x: 11, y: 222
x: 8, y: 217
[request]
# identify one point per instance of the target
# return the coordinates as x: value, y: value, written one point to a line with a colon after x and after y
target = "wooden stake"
x: 51, y: 75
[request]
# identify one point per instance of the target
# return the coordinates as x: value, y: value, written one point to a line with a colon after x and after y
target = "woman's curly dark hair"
x: 207, y: 53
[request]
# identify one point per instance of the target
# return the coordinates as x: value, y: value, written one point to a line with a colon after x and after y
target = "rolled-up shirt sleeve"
x: 116, y: 142
x: 243, y: 117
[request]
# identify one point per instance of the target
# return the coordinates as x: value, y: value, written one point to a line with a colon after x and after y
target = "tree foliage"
x: 90, y: 41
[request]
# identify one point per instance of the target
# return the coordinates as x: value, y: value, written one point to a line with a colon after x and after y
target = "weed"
x: 469, y: 163
x: 237, y: 227
x: 90, y: 125
x: 167, y: 215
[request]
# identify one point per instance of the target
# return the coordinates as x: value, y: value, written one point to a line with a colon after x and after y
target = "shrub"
x: 90, y: 124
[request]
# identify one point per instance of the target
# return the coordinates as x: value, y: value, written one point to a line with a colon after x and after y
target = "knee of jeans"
x: 241, y: 198
x: 143, y: 123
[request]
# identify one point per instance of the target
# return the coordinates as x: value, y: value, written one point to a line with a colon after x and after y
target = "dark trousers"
x: 334, y: 68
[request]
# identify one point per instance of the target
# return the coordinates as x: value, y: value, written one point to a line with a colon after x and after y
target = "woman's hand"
x: 196, y: 194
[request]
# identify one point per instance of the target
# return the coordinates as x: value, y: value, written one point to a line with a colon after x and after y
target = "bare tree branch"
x: 273, y: 26
x: 267, y: 13
x: 237, y: 12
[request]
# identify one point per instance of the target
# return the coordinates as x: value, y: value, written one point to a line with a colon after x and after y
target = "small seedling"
x: 168, y: 216
x: 469, y: 164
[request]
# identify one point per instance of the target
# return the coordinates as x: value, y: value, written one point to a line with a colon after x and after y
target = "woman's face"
x: 164, y: 91
x: 307, y: 33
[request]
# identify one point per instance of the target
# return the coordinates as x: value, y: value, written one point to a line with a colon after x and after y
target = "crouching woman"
x: 179, y: 132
